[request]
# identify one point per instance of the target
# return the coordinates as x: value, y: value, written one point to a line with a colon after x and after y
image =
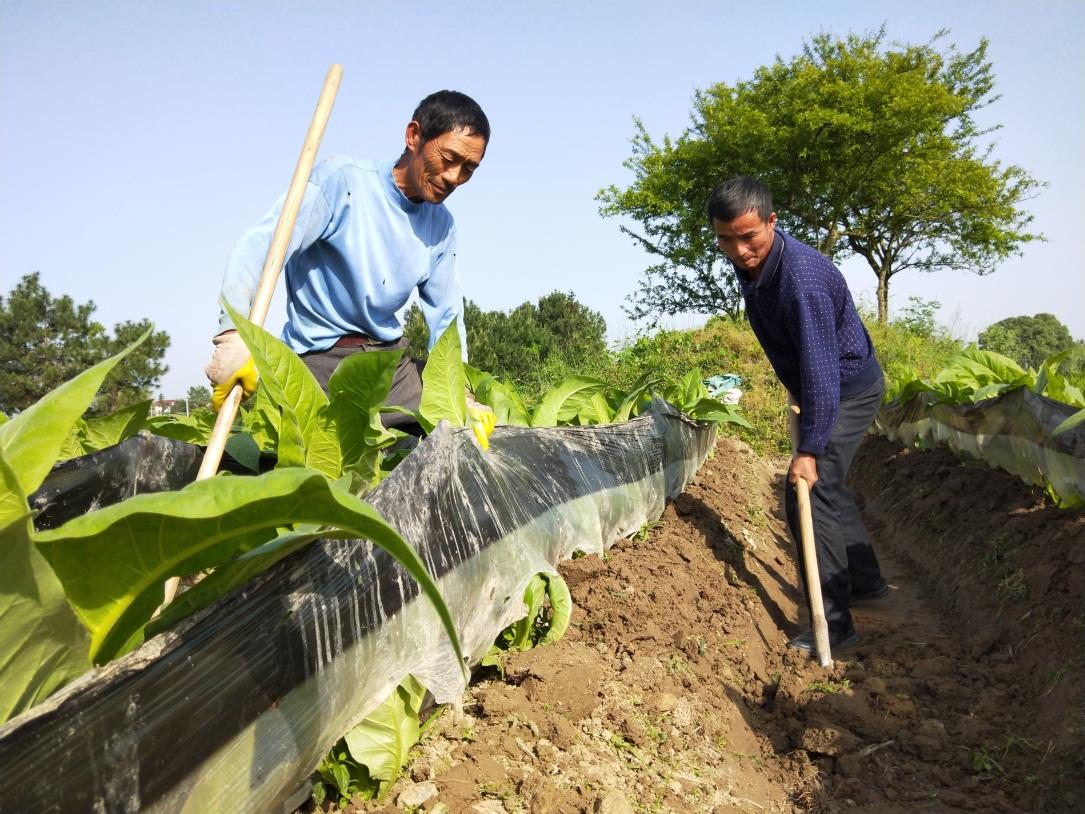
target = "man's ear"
x: 413, y: 136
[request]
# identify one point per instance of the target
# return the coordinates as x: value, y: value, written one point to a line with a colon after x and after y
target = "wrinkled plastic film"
x: 141, y: 464
x: 235, y: 708
x: 1012, y: 432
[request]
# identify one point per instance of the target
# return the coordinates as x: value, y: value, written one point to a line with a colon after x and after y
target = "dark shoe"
x: 805, y: 641
x: 870, y: 596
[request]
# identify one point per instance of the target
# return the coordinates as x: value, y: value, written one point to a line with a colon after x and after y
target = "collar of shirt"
x: 772, y: 262
x: 395, y: 194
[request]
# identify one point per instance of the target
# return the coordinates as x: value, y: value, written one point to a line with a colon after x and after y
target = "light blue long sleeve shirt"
x: 359, y: 249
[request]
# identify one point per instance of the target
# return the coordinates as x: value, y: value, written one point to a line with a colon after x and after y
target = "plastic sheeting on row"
x: 233, y: 709
x: 140, y: 464
x: 1012, y: 432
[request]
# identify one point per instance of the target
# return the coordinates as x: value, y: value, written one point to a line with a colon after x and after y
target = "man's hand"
x: 482, y: 421
x: 805, y: 466
x: 231, y: 363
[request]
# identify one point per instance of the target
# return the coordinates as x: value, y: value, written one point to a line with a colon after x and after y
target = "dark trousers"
x: 846, y: 560
x: 406, y: 383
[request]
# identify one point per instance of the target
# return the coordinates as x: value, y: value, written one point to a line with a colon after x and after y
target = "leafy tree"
x: 516, y: 343
x: 869, y: 148
x: 919, y: 317
x: 136, y: 376
x: 198, y: 397
x: 45, y: 341
x: 414, y: 328
x: 1027, y: 340
x: 578, y: 332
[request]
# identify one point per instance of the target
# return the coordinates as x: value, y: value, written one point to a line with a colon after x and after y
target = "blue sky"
x: 138, y: 140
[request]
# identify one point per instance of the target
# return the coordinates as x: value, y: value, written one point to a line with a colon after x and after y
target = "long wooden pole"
x: 269, y: 277
x: 809, y: 552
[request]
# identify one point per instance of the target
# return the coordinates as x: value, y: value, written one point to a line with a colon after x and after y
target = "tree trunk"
x: 883, y: 295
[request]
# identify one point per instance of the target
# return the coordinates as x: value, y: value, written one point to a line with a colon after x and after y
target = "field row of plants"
x: 977, y: 405
x: 87, y: 592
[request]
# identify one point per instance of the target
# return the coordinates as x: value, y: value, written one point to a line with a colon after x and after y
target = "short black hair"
x: 737, y: 196
x: 448, y: 110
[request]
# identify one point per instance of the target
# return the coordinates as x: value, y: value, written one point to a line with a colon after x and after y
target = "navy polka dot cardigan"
x: 803, y: 314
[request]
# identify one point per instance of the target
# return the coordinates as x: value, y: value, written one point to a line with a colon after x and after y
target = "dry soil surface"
x: 674, y: 690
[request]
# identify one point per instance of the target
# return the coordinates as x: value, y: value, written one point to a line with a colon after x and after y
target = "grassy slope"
x: 727, y: 346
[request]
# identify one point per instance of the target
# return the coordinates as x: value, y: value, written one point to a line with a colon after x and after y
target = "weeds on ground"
x: 830, y: 687
x: 999, y: 566
x: 676, y: 665
x: 641, y: 534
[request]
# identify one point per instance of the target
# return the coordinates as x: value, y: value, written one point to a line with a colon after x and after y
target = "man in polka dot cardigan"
x: 802, y: 313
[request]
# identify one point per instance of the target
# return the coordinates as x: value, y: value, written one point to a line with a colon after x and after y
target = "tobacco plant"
x: 368, y: 760
x: 85, y: 592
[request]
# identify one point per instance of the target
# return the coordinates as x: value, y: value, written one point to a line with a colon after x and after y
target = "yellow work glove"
x: 231, y: 363
x: 482, y: 422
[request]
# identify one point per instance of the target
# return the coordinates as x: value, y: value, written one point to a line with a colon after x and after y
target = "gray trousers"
x: 846, y: 560
x: 406, y: 383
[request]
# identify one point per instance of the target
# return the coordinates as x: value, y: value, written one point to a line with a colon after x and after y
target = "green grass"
x: 905, y: 354
x: 830, y: 687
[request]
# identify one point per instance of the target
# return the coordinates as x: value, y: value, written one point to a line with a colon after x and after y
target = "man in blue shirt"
x: 368, y: 235
x: 802, y: 314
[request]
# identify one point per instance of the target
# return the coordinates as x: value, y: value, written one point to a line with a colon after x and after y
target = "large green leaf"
x: 477, y: 380
x: 911, y: 388
x: 42, y: 644
x: 105, y: 431
x: 693, y: 387
x: 243, y: 448
x: 357, y: 388
x: 74, y: 443
x: 235, y: 573
x: 31, y: 441
x: 561, y: 608
x: 603, y: 412
x: 262, y: 419
x: 114, y: 563
x: 1053, y: 385
x: 507, y: 404
x: 535, y: 628
x: 973, y: 369
x: 688, y: 392
x: 99, y: 432
x: 586, y: 408
x: 708, y: 409
x: 306, y: 421
x: 500, y: 396
x: 194, y: 428
x: 546, y: 413
x: 631, y: 403
x: 519, y: 636
x: 1076, y: 420
x: 381, y: 742
x: 444, y: 382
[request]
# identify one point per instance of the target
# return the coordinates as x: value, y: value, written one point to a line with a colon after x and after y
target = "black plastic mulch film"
x: 1012, y: 432
x: 234, y: 708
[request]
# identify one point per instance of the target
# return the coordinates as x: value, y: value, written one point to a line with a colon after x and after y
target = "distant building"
x: 163, y: 406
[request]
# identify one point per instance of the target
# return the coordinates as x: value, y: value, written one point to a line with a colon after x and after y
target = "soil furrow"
x: 674, y: 690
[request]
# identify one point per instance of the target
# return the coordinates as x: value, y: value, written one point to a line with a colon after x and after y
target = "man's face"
x: 746, y: 240
x: 436, y: 167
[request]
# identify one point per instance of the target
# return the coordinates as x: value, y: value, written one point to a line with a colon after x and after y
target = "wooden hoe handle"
x: 269, y: 277
x: 809, y: 552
